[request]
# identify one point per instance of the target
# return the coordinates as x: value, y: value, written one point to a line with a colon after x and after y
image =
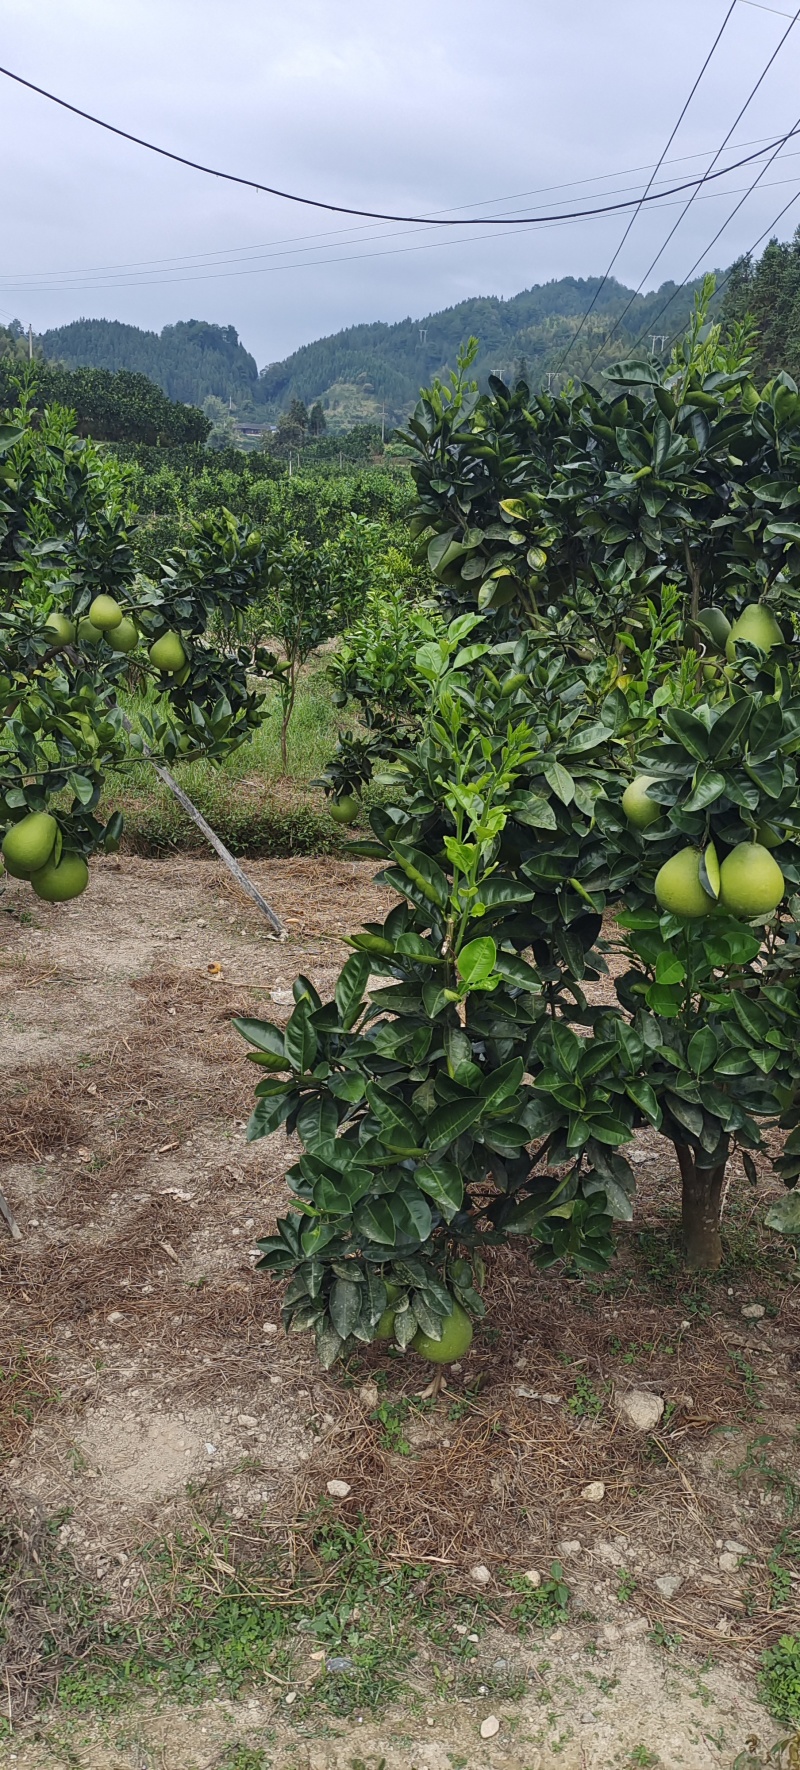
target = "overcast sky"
x: 408, y: 107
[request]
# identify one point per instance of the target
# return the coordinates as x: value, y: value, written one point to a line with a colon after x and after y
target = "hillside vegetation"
x: 188, y: 361
x: 366, y: 372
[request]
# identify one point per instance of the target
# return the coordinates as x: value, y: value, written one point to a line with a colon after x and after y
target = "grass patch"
x: 223, y: 1606
x: 253, y: 808
x: 779, y: 1680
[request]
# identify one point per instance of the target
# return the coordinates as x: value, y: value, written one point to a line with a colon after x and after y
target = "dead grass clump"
x: 26, y: 1389
x: 41, y: 1116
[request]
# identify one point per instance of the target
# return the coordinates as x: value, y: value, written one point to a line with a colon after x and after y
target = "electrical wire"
x: 210, y: 274
x: 334, y: 235
x: 673, y: 230
x: 728, y: 274
x: 657, y: 168
x: 365, y: 214
x: 712, y: 243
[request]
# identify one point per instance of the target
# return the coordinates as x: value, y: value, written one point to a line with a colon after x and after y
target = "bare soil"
x: 144, y: 1378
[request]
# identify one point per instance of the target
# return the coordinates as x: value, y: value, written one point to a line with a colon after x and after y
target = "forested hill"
x: 354, y: 373
x: 188, y: 361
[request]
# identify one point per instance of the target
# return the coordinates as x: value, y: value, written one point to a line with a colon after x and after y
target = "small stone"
x: 473, y: 1637
x: 595, y: 1491
x: 587, y: 1719
x: 290, y: 1697
x: 570, y: 1547
x: 639, y: 1626
x: 115, y: 1316
x: 640, y: 1409
x: 338, y: 1490
x: 610, y: 1633
x: 211, y: 1450
x: 456, y: 1369
x: 727, y: 1562
x: 459, y: 1628
x: 734, y: 1548
x: 668, y: 1584
x: 753, y: 1311
x: 480, y: 1574
x: 247, y: 1420
x: 490, y: 1727
x: 612, y: 1552
x: 368, y: 1395
x: 533, y: 1576
x: 339, y: 1662
x: 270, y: 1328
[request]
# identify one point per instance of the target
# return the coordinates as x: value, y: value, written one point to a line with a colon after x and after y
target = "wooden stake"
x: 6, y: 1211
x: 219, y: 847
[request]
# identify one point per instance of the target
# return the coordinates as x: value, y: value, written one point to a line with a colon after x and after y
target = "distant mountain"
x: 188, y: 361
x: 355, y: 372
x: 365, y: 371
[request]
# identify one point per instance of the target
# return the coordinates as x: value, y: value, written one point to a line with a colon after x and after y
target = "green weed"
x: 779, y: 1679
x: 542, y: 1606
x: 626, y: 1586
x: 586, y: 1402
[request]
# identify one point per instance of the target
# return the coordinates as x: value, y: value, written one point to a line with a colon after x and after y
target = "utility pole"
x: 383, y: 424
x: 30, y: 342
x: 658, y: 339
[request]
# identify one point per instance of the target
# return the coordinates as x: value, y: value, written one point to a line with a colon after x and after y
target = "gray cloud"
x: 410, y: 107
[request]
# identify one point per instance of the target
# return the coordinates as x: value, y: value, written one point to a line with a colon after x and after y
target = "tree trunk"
x: 286, y: 714
x: 701, y: 1193
x: 694, y: 579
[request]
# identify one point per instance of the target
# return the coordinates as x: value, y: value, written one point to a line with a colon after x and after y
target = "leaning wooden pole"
x: 211, y: 836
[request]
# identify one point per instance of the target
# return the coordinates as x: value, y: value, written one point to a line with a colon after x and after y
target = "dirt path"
x: 146, y: 1385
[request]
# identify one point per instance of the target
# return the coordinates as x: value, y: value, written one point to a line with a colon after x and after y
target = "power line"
x: 673, y: 230
x: 657, y: 168
x: 42, y: 280
x: 366, y: 214
x: 728, y: 274
x: 712, y: 243
x: 336, y: 235
x: 214, y: 274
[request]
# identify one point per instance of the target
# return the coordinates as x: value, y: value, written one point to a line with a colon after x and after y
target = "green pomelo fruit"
x: 29, y: 844
x: 678, y: 887
x: 716, y: 625
x: 59, y: 884
x: 385, y: 1326
x: 344, y: 810
x: 105, y: 613
x: 455, y: 1341
x: 61, y: 626
x: 640, y: 810
x: 711, y: 860
x: 124, y: 637
x: 752, y: 882
x: 88, y: 633
x: 768, y: 836
x: 182, y: 676
x: 168, y: 654
x: 758, y: 626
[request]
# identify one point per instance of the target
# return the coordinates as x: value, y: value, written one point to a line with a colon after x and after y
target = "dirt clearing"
x: 166, y: 1453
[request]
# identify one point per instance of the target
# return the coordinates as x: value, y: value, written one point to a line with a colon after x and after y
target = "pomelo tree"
x: 74, y: 619
x: 595, y: 538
